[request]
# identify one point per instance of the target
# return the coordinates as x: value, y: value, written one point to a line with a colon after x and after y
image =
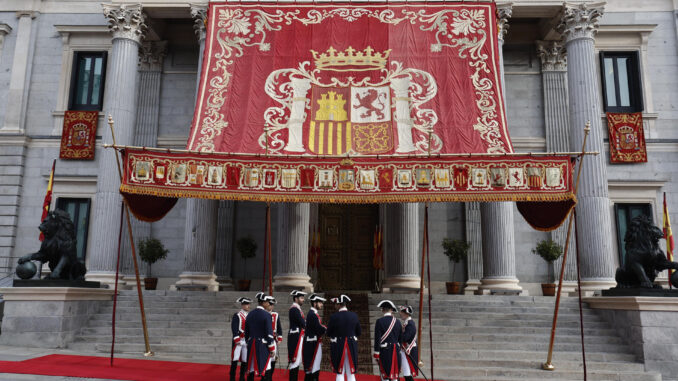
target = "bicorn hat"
x: 317, y: 298
x: 244, y: 300
x: 260, y: 296
x: 269, y: 299
x: 406, y: 309
x: 296, y: 293
x: 342, y: 299
x: 387, y: 304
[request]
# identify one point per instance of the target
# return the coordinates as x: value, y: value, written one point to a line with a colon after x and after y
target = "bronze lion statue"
x: 59, y: 248
x: 644, y: 259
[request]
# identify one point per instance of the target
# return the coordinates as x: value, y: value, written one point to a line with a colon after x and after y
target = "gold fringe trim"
x: 333, y: 198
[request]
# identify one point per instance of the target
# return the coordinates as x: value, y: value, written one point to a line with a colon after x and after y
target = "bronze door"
x: 346, y: 243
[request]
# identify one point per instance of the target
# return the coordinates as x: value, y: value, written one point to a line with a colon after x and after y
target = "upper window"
x: 622, y: 90
x: 87, y: 84
x: 624, y: 213
x: 78, y: 209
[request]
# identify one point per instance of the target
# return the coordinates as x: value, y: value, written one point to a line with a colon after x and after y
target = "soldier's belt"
x: 296, y: 330
x: 311, y: 338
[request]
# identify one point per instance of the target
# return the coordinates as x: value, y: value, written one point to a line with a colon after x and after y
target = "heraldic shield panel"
x: 323, y: 79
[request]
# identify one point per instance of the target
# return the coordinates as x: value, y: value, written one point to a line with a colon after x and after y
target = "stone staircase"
x: 474, y: 337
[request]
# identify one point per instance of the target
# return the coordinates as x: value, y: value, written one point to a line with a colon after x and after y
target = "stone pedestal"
x: 648, y: 324
x: 48, y: 317
x: 292, y: 253
x: 402, y: 248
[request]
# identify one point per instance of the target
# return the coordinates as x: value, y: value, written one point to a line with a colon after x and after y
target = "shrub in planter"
x: 456, y: 250
x: 151, y: 250
x: 247, y: 247
x: 549, y: 251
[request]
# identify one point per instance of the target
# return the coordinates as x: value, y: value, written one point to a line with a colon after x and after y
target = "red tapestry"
x: 78, y: 138
x: 335, y: 79
x: 363, y: 179
x: 627, y: 139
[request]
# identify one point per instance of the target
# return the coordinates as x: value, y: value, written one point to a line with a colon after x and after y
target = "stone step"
x: 531, y: 364
x: 463, y: 354
x: 538, y: 374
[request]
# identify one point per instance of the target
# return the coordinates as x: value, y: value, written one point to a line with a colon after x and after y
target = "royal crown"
x: 350, y: 59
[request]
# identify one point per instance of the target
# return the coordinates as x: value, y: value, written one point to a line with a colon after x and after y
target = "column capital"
x: 151, y: 55
x: 580, y: 21
x: 31, y: 14
x: 553, y: 55
x: 199, y: 14
x: 126, y: 21
x: 504, y: 12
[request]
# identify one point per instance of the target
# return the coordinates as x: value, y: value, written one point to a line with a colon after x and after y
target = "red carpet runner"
x: 132, y: 369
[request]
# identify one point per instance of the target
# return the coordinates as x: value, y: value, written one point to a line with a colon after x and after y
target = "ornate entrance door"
x: 346, y: 243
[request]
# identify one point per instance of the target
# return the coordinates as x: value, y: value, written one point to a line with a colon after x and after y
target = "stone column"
x: 201, y: 215
x: 578, y: 26
x: 151, y: 55
x: 17, y: 95
x: 292, y: 256
x: 126, y: 23
x: 554, y: 79
x: 224, y: 246
x: 402, y: 248
x: 474, y: 261
x: 499, y: 252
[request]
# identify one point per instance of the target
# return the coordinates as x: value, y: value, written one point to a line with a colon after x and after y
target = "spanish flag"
x: 48, y: 198
x: 668, y: 235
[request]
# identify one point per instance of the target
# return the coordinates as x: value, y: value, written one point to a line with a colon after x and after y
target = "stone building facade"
x: 151, y: 52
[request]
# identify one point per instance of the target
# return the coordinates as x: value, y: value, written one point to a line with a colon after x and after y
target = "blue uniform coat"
x: 297, y: 326
x: 387, y: 337
x: 409, y: 345
x: 312, y: 338
x: 259, y: 336
x: 343, y: 331
x: 238, y: 329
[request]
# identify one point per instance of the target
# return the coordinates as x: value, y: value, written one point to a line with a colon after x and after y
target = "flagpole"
x: 548, y: 365
x: 668, y: 236
x: 134, y: 251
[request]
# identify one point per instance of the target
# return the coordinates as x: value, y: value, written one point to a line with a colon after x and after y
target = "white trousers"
x: 316, y: 360
x: 405, y: 365
x: 346, y: 369
x: 240, y: 353
x: 297, y: 363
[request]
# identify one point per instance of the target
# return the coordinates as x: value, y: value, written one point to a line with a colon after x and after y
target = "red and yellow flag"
x: 48, y: 198
x: 668, y: 235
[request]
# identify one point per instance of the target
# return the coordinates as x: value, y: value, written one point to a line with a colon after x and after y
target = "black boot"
x: 409, y: 378
x: 294, y: 372
x: 250, y: 376
x: 272, y: 370
x: 316, y: 376
x: 234, y: 365
x: 243, y: 371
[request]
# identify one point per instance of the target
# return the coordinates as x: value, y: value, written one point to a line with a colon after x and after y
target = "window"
x: 78, y: 209
x: 622, y: 90
x: 87, y: 83
x: 624, y: 213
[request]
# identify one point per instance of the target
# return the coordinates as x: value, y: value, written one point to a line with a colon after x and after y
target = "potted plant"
x: 247, y: 247
x: 456, y: 250
x: 151, y: 250
x: 549, y: 251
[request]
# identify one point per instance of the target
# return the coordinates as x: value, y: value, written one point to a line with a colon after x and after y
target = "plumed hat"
x: 387, y: 304
x: 317, y: 298
x: 406, y: 309
x: 244, y: 300
x: 296, y: 293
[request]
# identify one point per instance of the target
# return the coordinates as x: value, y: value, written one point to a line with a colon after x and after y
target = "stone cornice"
x: 580, y: 20
x: 632, y: 303
x: 151, y: 55
x: 504, y: 12
x: 199, y: 14
x: 553, y: 55
x: 126, y: 21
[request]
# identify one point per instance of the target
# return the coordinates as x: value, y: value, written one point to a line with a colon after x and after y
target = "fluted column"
x: 224, y: 248
x: 126, y: 23
x: 201, y: 215
x: 15, y: 114
x: 594, y: 228
x: 151, y: 55
x: 292, y: 251
x: 554, y: 78
x: 402, y: 248
x: 474, y: 261
x: 499, y: 252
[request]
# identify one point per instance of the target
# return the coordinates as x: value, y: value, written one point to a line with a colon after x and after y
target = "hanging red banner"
x: 627, y: 139
x: 336, y: 79
x: 78, y: 138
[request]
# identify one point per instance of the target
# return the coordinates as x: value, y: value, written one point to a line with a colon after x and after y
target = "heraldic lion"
x: 644, y: 259
x: 59, y: 248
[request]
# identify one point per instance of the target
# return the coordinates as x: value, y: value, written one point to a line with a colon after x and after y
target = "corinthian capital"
x: 151, y: 55
x: 553, y: 55
x: 126, y: 21
x: 580, y: 20
x: 199, y: 14
x: 504, y: 12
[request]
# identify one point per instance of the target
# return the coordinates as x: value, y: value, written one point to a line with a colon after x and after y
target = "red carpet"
x: 133, y: 369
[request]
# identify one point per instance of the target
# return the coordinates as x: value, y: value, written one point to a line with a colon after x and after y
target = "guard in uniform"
x: 312, y: 351
x: 239, y: 347
x: 277, y: 335
x: 387, y: 336
x: 296, y: 334
x: 343, y: 330
x: 409, y: 353
x: 260, y: 340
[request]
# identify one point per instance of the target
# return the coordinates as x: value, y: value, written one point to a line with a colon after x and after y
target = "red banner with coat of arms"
x: 627, y: 139
x: 78, y: 138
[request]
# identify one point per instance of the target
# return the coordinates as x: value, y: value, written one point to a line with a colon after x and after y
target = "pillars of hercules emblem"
x: 292, y: 255
x: 578, y: 26
x: 401, y: 89
x: 402, y: 248
x: 300, y: 87
x: 499, y: 251
x: 554, y: 78
x: 126, y: 23
x: 200, y: 233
